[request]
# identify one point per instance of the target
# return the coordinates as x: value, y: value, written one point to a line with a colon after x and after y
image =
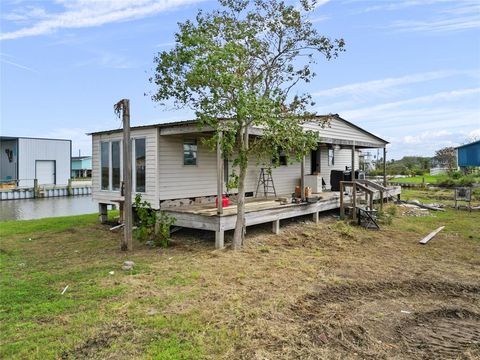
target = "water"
x: 27, y: 209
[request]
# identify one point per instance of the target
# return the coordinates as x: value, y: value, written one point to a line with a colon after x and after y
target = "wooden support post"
x: 219, y: 239
x: 69, y: 188
x: 276, y: 226
x: 219, y: 174
x: 354, y: 201
x: 302, y: 179
x: 124, y: 106
x: 102, y: 213
x: 342, y: 205
x: 381, y: 200
x: 35, y: 188
x: 316, y: 218
x: 371, y: 201
x: 354, y: 186
x: 384, y: 167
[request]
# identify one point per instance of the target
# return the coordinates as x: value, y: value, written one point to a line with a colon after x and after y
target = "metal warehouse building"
x: 24, y: 159
x: 469, y: 154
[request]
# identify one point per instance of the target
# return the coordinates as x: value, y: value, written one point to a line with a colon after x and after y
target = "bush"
x: 152, y: 225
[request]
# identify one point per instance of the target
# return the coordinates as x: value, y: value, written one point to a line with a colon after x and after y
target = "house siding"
x: 151, y: 165
x: 339, y: 129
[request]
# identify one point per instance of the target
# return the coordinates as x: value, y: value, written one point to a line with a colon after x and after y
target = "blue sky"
x: 411, y: 72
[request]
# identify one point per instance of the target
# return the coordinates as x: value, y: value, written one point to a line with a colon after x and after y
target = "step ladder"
x: 266, y: 180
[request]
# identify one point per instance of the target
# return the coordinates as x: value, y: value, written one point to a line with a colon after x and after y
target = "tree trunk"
x: 239, y: 234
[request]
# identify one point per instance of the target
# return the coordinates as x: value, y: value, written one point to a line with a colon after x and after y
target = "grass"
x: 429, y: 179
x: 193, y: 302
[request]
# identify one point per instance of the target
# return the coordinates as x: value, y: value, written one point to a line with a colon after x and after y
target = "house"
x: 24, y: 159
x: 81, y: 166
x: 468, y: 155
x: 174, y: 171
x: 170, y: 162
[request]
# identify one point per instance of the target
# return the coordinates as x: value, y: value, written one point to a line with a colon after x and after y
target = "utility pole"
x: 124, y: 107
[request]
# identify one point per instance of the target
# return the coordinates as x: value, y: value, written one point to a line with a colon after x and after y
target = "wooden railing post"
x: 342, y: 208
x: 35, y: 188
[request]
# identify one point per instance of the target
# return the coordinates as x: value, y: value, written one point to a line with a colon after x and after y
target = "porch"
x: 263, y: 210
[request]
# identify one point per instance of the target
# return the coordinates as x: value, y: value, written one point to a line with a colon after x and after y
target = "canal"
x: 27, y: 209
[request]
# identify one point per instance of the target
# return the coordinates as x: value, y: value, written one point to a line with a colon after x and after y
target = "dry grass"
x: 328, y: 290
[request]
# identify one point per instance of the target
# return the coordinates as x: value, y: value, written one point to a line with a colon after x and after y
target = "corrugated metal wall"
x: 8, y: 169
x: 469, y: 155
x: 31, y: 150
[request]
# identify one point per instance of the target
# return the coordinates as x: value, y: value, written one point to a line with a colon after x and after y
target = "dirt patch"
x: 366, y: 319
x: 92, y: 347
x: 349, y: 292
x: 444, y: 334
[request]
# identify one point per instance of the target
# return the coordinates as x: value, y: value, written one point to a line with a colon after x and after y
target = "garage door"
x: 45, y: 172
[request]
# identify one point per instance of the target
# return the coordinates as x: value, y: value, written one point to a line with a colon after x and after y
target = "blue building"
x: 468, y: 155
x: 81, y: 166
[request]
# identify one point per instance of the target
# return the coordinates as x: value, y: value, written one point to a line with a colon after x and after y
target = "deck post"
x: 354, y: 187
x: 342, y: 205
x: 276, y: 226
x: 384, y: 167
x: 302, y: 179
x: 316, y: 217
x: 102, y: 213
x: 219, y: 239
x: 219, y: 175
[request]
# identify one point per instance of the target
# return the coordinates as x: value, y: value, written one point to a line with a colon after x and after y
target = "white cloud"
x: 440, y: 25
x: 446, y: 96
x: 89, y: 13
x: 426, y: 135
x: 385, y: 85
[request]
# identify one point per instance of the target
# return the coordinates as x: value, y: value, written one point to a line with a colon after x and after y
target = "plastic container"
x: 225, y: 201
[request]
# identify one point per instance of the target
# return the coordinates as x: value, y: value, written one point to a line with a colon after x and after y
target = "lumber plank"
x: 431, y: 235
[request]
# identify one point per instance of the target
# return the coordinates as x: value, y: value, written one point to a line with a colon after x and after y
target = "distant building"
x: 81, y: 166
x: 24, y: 159
x: 468, y: 155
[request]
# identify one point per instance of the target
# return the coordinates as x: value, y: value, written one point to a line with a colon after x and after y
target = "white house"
x: 23, y: 159
x: 170, y: 161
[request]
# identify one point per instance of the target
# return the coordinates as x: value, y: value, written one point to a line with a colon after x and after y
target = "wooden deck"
x: 257, y: 211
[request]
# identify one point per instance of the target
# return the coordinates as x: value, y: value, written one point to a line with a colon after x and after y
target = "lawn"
x: 329, y: 290
x: 429, y: 179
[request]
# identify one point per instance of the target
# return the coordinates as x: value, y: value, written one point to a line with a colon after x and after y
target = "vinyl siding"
x: 339, y: 129
x: 151, y: 164
x: 184, y: 181
x: 31, y: 150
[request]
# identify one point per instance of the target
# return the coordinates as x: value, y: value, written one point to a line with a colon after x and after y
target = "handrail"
x: 351, y: 183
x: 372, y: 184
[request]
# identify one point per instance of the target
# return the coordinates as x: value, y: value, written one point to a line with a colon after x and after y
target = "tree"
x: 236, y: 67
x: 446, y: 157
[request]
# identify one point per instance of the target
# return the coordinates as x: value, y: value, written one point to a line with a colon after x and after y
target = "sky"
x: 410, y: 73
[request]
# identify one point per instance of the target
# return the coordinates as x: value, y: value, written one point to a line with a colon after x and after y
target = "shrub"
x: 152, y: 225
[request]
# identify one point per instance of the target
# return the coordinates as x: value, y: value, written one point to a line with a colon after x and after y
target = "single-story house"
x: 24, y: 159
x: 468, y: 155
x: 81, y: 166
x: 170, y: 162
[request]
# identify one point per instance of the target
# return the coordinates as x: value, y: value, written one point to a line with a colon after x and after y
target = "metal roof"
x: 469, y: 144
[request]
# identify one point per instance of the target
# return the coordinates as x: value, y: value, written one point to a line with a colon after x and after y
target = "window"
x: 110, y: 162
x: 140, y: 165
x: 281, y: 159
x: 105, y: 165
x: 116, y: 165
x: 190, y: 152
x: 331, y: 157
